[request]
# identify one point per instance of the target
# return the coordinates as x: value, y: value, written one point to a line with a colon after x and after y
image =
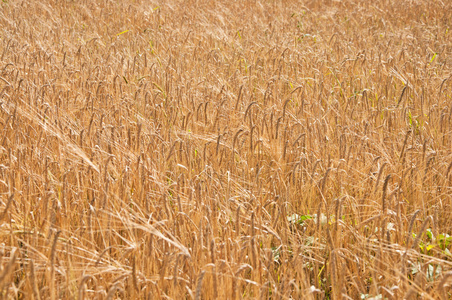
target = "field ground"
x: 225, y: 149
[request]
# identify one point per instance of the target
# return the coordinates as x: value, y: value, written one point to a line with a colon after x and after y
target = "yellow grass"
x: 225, y: 149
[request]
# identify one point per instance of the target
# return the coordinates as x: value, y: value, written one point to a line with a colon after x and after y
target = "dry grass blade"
x: 225, y: 149
x: 9, y: 267
x: 199, y: 285
x: 8, y: 204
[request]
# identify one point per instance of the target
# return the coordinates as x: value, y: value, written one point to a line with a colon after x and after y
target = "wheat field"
x: 201, y: 149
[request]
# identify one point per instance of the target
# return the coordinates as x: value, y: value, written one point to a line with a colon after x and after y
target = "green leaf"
x: 306, y: 217
x: 444, y: 240
x: 430, y: 247
x: 125, y: 31
x: 421, y: 246
x: 297, y: 219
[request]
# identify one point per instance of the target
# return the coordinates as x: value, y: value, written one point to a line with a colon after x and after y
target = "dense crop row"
x: 222, y: 149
